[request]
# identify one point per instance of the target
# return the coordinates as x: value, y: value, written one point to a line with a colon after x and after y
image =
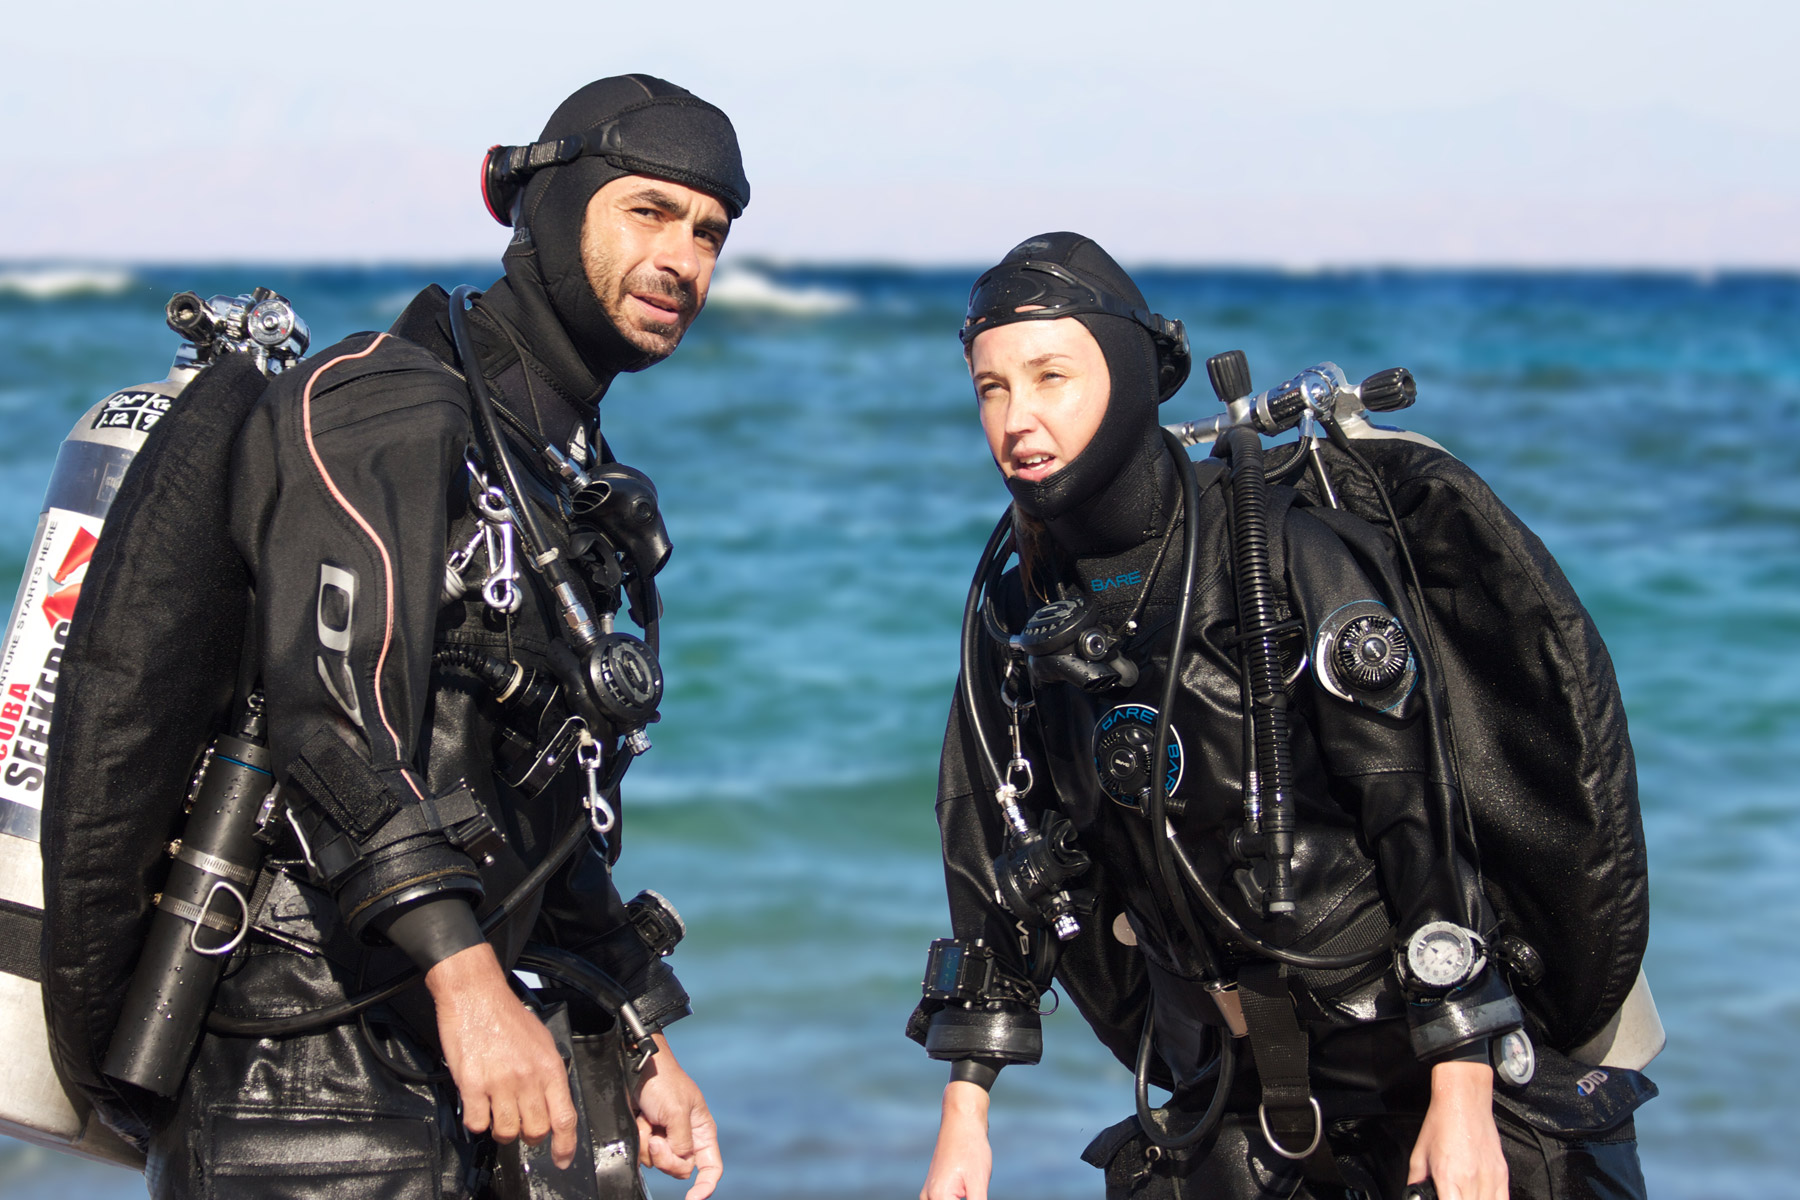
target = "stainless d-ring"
x: 237, y: 939
x: 1262, y: 1116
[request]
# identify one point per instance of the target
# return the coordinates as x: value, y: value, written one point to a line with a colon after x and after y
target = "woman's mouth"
x: 1034, y: 467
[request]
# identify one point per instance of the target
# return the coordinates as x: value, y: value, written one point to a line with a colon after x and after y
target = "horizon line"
x: 755, y: 261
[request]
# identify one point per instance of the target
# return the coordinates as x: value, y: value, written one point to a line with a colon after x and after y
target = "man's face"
x: 649, y: 247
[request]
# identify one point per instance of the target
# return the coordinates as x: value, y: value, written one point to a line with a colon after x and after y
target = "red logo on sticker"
x: 60, y: 606
x: 80, y: 551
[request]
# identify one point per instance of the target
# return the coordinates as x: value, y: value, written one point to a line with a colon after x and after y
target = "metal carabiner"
x: 491, y: 503
x: 501, y: 591
x: 600, y: 814
x: 460, y: 559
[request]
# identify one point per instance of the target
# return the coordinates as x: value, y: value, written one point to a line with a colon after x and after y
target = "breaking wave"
x: 740, y: 288
x: 56, y: 283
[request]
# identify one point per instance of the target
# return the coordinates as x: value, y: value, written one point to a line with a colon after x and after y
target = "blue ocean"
x: 827, y: 491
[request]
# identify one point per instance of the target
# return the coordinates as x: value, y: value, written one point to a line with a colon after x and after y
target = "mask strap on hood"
x: 1049, y: 291
x: 624, y: 140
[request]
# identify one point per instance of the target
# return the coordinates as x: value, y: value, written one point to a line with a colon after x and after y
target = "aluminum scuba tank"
x: 35, y: 1106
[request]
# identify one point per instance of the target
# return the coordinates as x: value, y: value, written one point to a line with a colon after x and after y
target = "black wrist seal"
x: 1482, y: 1009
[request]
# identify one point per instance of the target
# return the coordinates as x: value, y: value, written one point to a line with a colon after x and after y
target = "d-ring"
x: 1262, y: 1116
x: 220, y: 885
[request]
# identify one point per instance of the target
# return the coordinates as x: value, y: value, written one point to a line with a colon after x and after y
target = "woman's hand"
x: 676, y: 1134
x: 1459, y: 1147
x: 503, y: 1060
x: 963, y: 1160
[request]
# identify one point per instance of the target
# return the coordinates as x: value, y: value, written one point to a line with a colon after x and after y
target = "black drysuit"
x: 1366, y: 864
x: 350, y: 489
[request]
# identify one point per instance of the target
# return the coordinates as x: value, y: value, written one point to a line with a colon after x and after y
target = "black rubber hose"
x: 515, y: 688
x: 999, y: 544
x: 1261, y: 659
x: 1293, y: 958
x: 343, y: 1010
x: 562, y: 580
x: 1157, y: 806
x: 1225, y: 1064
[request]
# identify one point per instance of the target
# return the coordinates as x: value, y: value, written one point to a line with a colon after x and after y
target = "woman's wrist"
x: 965, y: 1101
x: 1463, y: 1082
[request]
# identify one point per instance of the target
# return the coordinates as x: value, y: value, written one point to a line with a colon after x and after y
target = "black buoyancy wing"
x: 148, y: 675
x: 1538, y: 726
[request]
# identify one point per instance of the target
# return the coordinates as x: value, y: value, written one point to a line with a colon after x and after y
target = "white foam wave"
x: 55, y: 283
x: 741, y: 288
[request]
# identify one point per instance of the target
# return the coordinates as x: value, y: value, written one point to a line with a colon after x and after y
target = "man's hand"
x: 676, y: 1134
x: 963, y: 1161
x: 502, y: 1058
x: 1459, y: 1147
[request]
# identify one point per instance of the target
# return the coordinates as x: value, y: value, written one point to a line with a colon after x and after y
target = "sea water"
x: 827, y: 489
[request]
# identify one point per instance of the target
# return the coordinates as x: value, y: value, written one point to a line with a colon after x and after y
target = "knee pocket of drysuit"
x: 1572, y: 1166
x: 1234, y: 1164
x: 295, y: 1154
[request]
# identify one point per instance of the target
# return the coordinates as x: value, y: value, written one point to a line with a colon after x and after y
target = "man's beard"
x: 655, y: 338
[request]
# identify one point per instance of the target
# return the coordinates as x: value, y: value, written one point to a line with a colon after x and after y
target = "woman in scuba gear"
x: 1326, y: 1021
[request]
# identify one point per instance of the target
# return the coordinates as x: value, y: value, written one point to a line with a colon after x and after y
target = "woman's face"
x: 1042, y: 388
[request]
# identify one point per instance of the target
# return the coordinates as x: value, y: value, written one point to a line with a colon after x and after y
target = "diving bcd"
x: 260, y: 329
x: 1519, y: 667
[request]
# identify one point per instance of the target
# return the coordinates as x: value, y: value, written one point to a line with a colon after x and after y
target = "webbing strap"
x: 1290, y: 1115
x: 21, y: 929
x: 339, y: 781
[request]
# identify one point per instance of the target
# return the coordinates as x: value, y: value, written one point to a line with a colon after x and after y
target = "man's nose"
x: 677, y: 253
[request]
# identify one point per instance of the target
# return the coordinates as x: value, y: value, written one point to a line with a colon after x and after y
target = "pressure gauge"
x: 1444, y: 955
x: 1515, y: 1061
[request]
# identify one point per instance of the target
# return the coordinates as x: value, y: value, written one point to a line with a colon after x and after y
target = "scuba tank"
x: 261, y: 329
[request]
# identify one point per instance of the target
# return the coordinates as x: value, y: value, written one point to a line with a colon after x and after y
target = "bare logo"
x: 336, y: 616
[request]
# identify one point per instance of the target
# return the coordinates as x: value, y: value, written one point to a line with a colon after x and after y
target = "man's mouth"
x: 664, y: 310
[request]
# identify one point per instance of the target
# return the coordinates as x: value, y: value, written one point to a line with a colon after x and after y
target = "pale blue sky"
x: 1299, y: 133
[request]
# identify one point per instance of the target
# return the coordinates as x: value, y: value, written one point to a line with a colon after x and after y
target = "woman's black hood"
x: 1115, y: 494
x: 644, y: 126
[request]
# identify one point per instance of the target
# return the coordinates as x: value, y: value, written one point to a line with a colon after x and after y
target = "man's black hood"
x: 663, y: 131
x: 1114, y: 494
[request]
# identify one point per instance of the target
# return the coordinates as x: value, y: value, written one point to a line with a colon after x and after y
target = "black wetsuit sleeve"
x: 341, y: 484
x: 1381, y: 767
x: 1376, y: 763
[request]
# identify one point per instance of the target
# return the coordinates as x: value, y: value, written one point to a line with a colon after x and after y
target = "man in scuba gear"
x: 440, y: 731
x: 1181, y: 646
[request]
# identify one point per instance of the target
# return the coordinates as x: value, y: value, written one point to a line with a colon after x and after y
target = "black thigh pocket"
x: 294, y: 1154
